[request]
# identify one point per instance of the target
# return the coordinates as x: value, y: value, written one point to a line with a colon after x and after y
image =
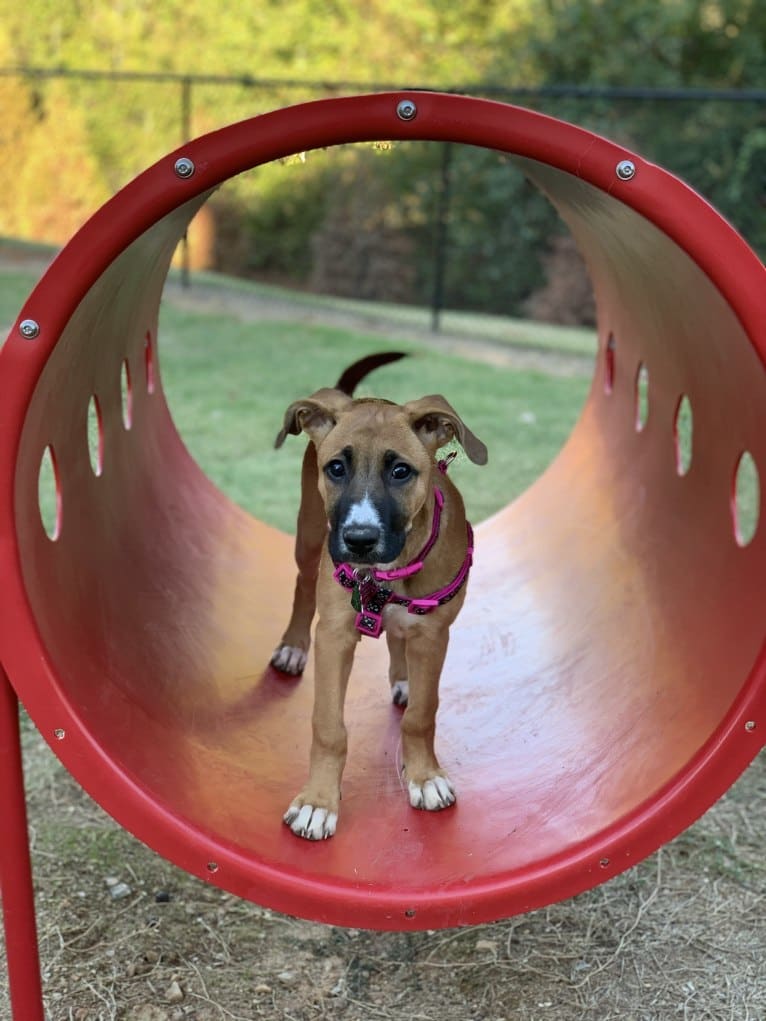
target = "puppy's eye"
x: 335, y: 470
x: 401, y: 472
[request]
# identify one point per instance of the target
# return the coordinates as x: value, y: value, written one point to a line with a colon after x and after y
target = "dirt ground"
x: 125, y: 935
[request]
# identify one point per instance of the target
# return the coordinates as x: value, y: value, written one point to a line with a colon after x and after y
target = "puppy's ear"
x: 315, y: 415
x: 436, y: 422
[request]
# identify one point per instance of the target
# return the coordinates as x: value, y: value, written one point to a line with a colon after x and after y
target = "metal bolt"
x: 184, y: 167
x: 750, y: 725
x: 406, y: 110
x: 626, y: 170
x: 604, y: 863
x: 212, y: 866
x: 29, y: 329
x: 59, y: 733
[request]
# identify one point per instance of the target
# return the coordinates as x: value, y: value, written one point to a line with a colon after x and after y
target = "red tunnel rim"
x: 654, y: 193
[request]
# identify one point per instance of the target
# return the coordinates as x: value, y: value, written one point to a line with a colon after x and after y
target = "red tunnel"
x: 606, y: 680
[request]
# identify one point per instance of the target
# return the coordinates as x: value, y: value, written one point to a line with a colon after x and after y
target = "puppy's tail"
x: 354, y: 374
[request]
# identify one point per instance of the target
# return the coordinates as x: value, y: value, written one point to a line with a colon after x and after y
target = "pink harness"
x: 369, y: 597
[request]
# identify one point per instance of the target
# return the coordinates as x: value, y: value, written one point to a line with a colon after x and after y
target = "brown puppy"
x: 311, y: 532
x: 397, y: 558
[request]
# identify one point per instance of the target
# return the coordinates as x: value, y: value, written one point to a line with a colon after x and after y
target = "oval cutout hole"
x: 746, y: 499
x: 683, y: 428
x: 149, y: 362
x: 49, y: 494
x: 609, y: 364
x: 642, y: 397
x: 95, y: 436
x: 127, y: 395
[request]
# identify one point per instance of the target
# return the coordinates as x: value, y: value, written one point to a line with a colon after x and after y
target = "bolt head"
x: 406, y: 110
x: 626, y: 170
x: 184, y: 167
x: 29, y: 329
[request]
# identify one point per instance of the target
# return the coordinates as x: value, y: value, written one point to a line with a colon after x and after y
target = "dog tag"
x: 356, y: 599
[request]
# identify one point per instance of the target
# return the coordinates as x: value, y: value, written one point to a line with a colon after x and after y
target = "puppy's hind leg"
x: 292, y: 652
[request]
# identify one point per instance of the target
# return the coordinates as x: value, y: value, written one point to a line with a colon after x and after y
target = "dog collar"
x: 370, y: 597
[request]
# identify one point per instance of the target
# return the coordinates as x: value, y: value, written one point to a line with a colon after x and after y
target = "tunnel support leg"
x: 16, y: 869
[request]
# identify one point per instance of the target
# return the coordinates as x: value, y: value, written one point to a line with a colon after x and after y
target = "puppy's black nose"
x: 361, y: 539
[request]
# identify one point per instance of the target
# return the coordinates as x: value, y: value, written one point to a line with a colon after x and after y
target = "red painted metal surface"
x: 606, y: 680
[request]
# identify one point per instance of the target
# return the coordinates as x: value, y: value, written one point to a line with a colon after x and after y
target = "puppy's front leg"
x: 429, y: 786
x: 313, y: 814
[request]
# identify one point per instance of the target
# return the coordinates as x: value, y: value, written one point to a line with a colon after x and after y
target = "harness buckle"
x: 369, y: 623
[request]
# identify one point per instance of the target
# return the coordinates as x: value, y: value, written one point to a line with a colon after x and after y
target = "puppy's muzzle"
x: 362, y: 541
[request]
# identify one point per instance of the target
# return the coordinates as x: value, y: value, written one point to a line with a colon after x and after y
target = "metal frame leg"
x: 21, y: 948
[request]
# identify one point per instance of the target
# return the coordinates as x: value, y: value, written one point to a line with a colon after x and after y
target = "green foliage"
x: 497, y: 224
x: 713, y: 43
x: 311, y: 222
x: 498, y: 231
x: 275, y: 211
x: 44, y: 146
x: 299, y: 39
x: 720, y: 150
x: 716, y: 146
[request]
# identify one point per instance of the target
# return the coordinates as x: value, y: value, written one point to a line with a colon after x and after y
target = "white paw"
x: 311, y: 823
x: 400, y: 693
x: 289, y: 660
x: 433, y: 795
